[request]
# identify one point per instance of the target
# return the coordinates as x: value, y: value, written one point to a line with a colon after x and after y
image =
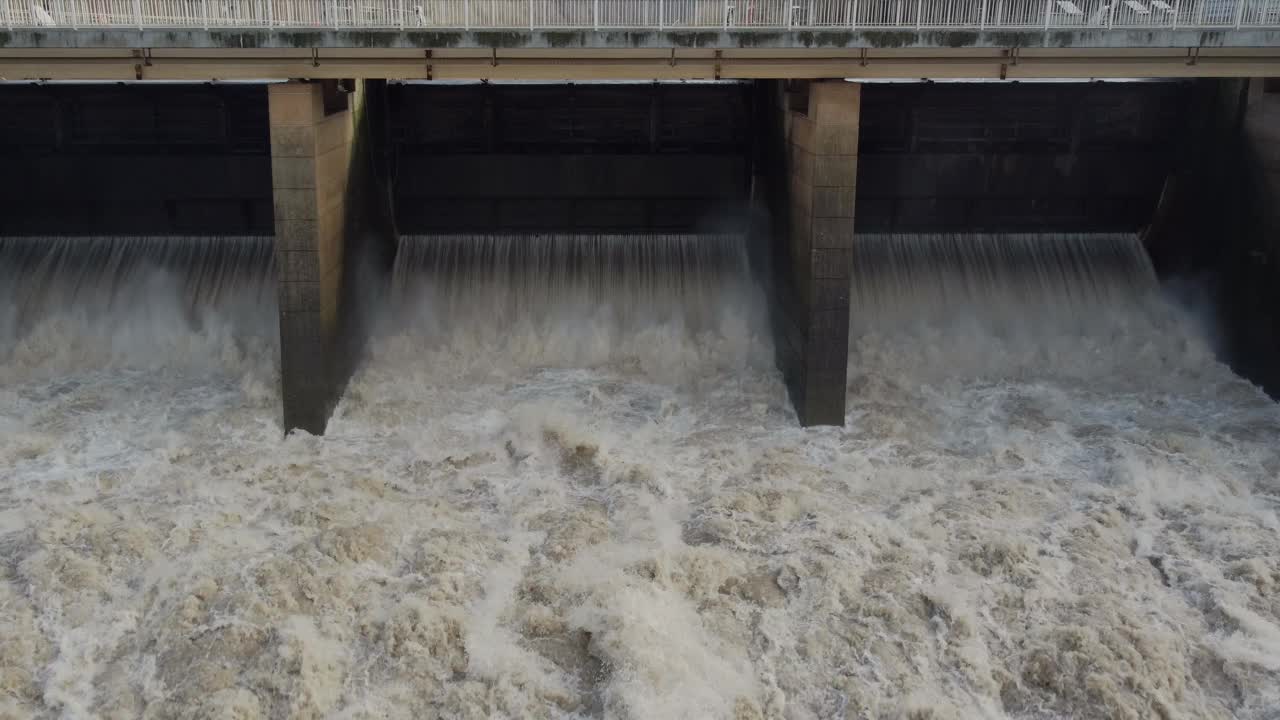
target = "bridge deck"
x: 636, y: 39
x: 1044, y: 15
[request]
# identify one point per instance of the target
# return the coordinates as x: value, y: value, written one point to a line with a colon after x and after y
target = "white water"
x: 542, y: 518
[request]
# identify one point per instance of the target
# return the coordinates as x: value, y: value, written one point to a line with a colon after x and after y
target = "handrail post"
x: 8, y: 15
x: 661, y: 17
x: 919, y: 14
x: 724, y: 15
x: 1239, y: 12
x: 1111, y: 16
x: 595, y: 15
x: 530, y: 15
x: 271, y: 13
x: 982, y: 19
x: 851, y: 14
x: 1048, y: 12
x: 1177, y: 10
x: 137, y: 13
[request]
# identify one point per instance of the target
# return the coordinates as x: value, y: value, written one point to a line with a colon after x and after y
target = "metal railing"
x: 642, y: 14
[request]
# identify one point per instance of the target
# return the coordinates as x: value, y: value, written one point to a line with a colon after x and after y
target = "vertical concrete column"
x: 1262, y: 143
x: 1261, y: 272
x: 822, y: 167
x: 311, y: 152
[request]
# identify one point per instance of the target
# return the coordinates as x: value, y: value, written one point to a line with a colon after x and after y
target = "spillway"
x: 167, y: 304
x: 1062, y: 304
x: 567, y: 478
x: 581, y: 300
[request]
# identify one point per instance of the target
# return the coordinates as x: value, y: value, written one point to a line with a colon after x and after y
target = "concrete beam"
x: 666, y: 63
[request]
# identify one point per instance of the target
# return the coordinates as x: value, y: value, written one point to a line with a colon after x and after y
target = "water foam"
x: 501, y: 524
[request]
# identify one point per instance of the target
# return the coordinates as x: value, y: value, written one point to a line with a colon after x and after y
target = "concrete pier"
x: 326, y: 205
x: 1262, y: 145
x: 1213, y: 237
x: 820, y: 123
x: 1261, y: 163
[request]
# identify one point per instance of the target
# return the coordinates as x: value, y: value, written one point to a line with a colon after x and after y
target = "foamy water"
x: 509, y: 524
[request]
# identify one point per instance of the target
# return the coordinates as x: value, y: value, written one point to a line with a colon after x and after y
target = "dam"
x: 639, y: 359
x: 346, y: 176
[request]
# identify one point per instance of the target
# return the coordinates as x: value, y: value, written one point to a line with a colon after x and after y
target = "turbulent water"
x: 588, y: 497
x: 167, y: 305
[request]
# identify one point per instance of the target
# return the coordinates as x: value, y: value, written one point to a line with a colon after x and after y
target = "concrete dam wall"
x: 136, y: 159
x: 1088, y: 157
x: 594, y: 158
x: 343, y: 175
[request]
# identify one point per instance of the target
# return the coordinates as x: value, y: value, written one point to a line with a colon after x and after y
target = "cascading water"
x: 69, y: 303
x: 665, y: 303
x: 665, y: 275
x: 567, y: 483
x: 1080, y: 306
x: 1012, y: 279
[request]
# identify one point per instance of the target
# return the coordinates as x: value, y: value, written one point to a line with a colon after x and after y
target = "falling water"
x: 1076, y: 305
x: 915, y: 278
x: 107, y: 271
x: 513, y: 275
x: 148, y: 302
x: 578, y: 300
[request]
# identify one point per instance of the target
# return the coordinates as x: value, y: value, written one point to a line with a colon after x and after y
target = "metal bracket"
x: 430, y: 69
x: 315, y: 57
x: 862, y: 57
x: 1011, y: 57
x: 493, y: 56
x: 143, y: 54
x: 1193, y: 55
x: 673, y: 57
x: 719, y: 58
